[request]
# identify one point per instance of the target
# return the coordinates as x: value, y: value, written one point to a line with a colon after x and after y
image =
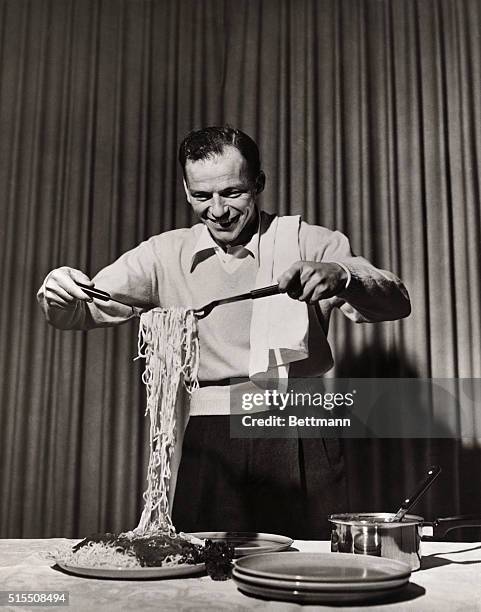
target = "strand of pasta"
x: 169, y: 343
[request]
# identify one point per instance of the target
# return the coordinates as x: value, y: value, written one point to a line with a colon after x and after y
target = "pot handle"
x: 441, y: 526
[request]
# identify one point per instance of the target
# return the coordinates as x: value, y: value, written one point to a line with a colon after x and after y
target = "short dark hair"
x: 211, y: 141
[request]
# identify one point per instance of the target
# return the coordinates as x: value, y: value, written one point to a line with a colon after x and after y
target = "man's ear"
x: 260, y: 182
x: 187, y: 193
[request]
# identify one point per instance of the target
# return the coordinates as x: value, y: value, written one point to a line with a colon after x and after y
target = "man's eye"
x: 202, y: 197
x: 234, y: 194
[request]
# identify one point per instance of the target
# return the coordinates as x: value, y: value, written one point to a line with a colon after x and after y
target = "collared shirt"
x: 231, y: 258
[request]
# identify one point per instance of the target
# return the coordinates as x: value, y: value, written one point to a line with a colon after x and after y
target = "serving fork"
x: 200, y: 313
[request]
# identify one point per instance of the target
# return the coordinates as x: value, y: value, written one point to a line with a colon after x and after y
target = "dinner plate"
x: 339, y: 596
x: 323, y: 567
x: 135, y: 573
x: 299, y: 585
x: 248, y: 543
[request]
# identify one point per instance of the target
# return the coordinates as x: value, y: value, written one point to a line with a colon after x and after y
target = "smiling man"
x: 222, y: 190
x: 279, y: 485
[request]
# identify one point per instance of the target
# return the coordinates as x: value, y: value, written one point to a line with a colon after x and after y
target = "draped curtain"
x: 368, y: 117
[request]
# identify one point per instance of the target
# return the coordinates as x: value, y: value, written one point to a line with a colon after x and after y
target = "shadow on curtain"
x: 368, y: 116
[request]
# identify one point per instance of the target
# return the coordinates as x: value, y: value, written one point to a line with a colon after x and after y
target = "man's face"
x: 222, y: 195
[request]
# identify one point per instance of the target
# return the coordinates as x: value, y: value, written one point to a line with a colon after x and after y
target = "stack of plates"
x: 320, y: 577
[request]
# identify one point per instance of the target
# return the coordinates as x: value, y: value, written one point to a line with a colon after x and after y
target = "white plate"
x: 134, y: 573
x: 316, y: 596
x: 318, y: 586
x: 323, y: 567
x: 247, y: 543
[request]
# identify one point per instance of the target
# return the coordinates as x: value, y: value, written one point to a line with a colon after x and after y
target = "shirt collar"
x: 206, y: 246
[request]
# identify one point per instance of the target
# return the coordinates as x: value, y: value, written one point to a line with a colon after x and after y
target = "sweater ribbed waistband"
x: 217, y: 399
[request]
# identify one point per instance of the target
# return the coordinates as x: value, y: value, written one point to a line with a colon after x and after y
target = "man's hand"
x: 61, y: 289
x: 310, y: 281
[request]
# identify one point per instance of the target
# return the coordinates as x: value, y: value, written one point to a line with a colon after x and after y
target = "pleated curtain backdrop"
x: 368, y: 116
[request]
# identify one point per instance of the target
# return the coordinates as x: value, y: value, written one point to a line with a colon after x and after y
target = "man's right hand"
x: 61, y: 289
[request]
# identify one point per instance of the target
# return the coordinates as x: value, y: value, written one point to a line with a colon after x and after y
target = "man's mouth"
x: 224, y: 224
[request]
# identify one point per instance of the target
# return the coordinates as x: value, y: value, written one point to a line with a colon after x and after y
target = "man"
x: 277, y: 485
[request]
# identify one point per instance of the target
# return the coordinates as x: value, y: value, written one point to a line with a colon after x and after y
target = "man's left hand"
x: 310, y: 281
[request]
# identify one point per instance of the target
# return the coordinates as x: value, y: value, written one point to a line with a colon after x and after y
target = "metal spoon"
x: 99, y: 294
x: 408, y: 503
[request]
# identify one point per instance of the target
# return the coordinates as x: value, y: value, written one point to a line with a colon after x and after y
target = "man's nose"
x: 218, y: 208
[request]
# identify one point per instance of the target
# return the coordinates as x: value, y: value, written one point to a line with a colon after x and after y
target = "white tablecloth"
x: 450, y: 579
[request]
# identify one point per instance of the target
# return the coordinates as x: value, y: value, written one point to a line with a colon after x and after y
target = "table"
x: 450, y: 579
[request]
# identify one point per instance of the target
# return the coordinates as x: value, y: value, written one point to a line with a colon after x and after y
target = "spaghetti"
x: 97, y: 554
x: 169, y: 343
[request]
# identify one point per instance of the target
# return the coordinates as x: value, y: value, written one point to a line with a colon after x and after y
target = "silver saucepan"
x: 374, y: 534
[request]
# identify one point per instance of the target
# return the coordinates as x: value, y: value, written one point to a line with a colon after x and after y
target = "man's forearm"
x: 374, y: 295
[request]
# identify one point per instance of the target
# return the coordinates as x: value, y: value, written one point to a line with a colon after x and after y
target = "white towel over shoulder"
x: 279, y: 326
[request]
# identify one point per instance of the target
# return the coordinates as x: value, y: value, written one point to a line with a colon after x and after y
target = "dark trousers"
x: 283, y: 486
